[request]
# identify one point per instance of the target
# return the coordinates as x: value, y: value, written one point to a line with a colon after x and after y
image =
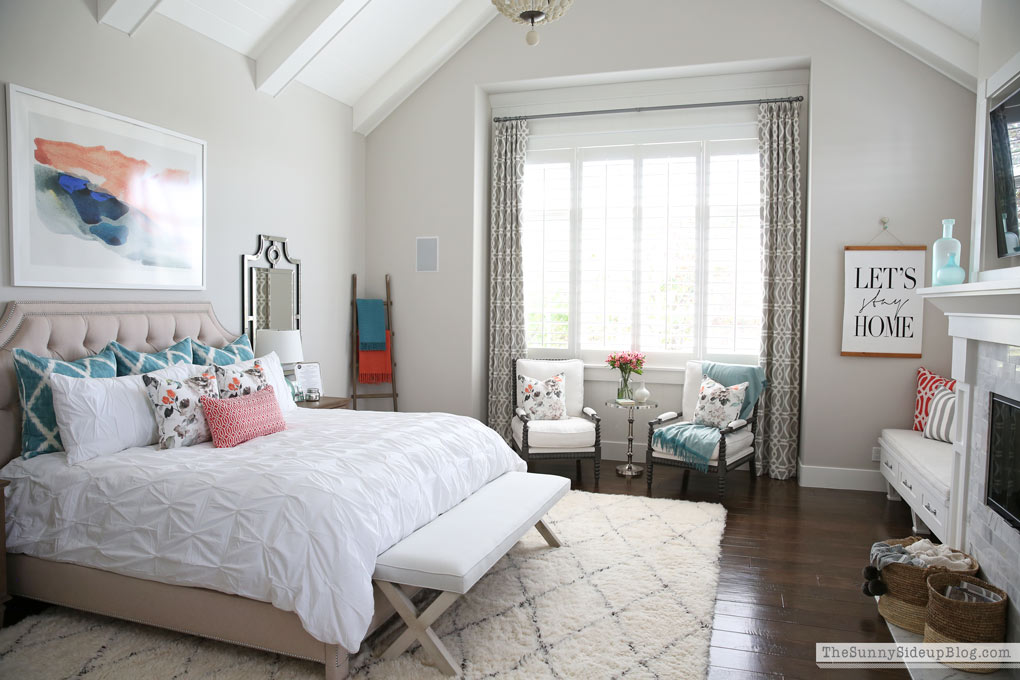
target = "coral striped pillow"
x: 235, y: 421
x: 927, y: 384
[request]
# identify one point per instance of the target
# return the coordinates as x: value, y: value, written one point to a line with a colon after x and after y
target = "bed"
x: 269, y: 545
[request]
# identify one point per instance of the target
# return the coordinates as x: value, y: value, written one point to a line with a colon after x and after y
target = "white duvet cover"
x: 296, y: 518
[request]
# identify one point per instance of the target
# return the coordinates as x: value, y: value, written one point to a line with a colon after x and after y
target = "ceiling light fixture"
x: 531, y: 12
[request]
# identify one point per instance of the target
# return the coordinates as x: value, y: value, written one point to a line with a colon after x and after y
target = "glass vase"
x: 941, y: 251
x: 623, y: 390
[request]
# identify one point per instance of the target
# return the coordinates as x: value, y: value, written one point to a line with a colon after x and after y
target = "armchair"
x: 736, y: 443
x: 577, y: 437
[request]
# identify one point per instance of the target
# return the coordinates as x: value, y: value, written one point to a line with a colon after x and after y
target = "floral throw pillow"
x: 542, y: 399
x: 718, y: 405
x: 236, y: 382
x: 177, y: 406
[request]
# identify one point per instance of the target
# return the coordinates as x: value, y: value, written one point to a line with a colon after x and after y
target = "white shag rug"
x: 630, y: 594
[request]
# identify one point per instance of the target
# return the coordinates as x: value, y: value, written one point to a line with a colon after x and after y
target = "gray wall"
x: 287, y: 166
x: 889, y: 137
x: 1000, y: 26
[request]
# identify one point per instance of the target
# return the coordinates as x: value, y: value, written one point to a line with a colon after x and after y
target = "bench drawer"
x: 909, y: 485
x: 934, y: 512
x: 887, y: 465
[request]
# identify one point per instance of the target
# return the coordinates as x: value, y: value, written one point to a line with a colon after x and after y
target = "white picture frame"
x: 882, y: 314
x: 99, y: 200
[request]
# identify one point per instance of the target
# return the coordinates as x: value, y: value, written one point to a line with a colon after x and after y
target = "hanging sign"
x: 882, y: 314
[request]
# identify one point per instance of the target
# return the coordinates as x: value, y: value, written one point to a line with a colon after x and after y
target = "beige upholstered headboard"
x: 72, y: 330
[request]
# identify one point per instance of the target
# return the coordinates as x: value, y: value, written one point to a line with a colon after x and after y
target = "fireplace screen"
x: 1003, y: 483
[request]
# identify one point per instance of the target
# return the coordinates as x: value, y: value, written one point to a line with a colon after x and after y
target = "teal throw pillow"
x: 39, y: 432
x: 238, y: 350
x: 130, y: 362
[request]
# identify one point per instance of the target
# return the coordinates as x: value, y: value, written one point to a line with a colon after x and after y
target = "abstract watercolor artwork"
x: 102, y: 201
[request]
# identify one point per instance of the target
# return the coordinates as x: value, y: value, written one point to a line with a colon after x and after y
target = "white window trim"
x: 561, y: 148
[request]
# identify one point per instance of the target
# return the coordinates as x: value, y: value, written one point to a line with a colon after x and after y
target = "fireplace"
x: 1002, y: 487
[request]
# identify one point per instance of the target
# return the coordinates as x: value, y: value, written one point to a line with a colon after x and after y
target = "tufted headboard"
x: 72, y: 330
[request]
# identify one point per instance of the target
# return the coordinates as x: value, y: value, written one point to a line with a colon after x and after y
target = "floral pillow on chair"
x: 542, y: 399
x: 176, y: 404
x: 718, y: 405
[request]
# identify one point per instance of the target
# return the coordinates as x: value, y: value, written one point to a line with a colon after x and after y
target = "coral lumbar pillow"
x: 235, y: 420
x: 927, y: 384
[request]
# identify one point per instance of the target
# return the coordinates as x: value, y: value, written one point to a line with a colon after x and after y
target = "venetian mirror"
x: 272, y: 288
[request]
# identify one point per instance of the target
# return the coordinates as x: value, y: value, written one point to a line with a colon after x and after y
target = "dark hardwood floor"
x: 790, y: 571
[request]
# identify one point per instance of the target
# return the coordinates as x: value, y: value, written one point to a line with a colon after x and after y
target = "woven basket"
x: 906, y: 601
x: 954, y: 621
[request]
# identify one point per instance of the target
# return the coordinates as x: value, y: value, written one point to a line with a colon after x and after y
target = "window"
x: 650, y: 246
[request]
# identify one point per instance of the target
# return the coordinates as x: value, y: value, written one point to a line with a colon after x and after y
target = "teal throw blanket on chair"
x: 734, y: 374
x: 371, y: 326
x: 695, y: 444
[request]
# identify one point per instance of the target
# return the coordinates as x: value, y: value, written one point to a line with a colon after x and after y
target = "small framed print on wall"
x: 882, y: 313
x: 102, y: 201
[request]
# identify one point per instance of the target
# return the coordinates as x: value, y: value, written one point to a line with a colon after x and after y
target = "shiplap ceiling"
x: 372, y: 54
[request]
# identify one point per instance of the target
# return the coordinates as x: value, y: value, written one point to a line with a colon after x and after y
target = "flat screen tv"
x: 1005, y: 136
x: 1002, y: 484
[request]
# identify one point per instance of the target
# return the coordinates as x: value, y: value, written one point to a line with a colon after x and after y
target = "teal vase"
x: 941, y: 251
x: 951, y: 273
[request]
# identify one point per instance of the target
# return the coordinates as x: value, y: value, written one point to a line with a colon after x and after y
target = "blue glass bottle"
x: 941, y: 251
x: 950, y: 273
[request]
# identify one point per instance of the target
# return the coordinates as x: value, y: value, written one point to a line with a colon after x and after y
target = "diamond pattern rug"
x: 630, y: 594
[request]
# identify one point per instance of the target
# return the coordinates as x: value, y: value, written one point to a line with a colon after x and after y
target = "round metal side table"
x: 629, y: 469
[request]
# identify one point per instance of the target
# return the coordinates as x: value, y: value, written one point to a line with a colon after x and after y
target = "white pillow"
x: 718, y: 405
x: 100, y: 416
x: 274, y: 374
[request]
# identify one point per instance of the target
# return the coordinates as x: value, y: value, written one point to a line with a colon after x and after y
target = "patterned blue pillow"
x: 130, y: 362
x: 39, y: 433
x: 238, y: 350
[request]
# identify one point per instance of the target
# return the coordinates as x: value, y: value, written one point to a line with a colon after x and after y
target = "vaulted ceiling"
x: 372, y: 54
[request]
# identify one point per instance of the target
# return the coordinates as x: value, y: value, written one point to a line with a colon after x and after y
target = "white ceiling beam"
x: 418, y: 64
x: 918, y: 34
x: 125, y: 15
x: 303, y: 37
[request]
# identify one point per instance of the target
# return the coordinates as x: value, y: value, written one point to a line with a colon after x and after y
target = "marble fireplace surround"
x: 984, y: 321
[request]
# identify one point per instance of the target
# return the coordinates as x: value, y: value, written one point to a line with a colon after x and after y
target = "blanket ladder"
x: 355, y: 368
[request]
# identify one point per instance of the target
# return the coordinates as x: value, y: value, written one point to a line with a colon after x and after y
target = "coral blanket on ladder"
x: 374, y: 366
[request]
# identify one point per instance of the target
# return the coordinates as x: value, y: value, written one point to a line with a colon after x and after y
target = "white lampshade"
x: 286, y: 344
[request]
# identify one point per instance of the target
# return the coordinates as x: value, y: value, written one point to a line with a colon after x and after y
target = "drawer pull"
x: 933, y: 511
x: 886, y: 463
x: 906, y: 484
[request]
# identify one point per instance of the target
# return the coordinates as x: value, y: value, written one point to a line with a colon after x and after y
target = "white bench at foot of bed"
x: 452, y: 552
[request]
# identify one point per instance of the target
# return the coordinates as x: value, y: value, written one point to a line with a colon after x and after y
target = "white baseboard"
x: 854, y: 479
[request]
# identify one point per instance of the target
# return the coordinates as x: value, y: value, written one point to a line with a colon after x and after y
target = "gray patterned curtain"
x: 782, y: 251
x: 507, y: 341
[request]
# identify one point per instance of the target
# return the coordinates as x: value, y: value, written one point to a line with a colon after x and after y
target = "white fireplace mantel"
x: 988, y: 310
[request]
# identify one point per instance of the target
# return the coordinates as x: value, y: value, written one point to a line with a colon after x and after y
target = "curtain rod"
x: 640, y: 109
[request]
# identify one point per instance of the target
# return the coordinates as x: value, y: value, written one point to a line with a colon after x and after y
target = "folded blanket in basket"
x: 921, y: 553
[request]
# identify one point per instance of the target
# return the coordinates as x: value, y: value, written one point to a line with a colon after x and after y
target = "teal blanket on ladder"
x: 371, y: 325
x: 695, y: 444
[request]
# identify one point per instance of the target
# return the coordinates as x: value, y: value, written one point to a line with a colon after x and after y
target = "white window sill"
x: 653, y: 375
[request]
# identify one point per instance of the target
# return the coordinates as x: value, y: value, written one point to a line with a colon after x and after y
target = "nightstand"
x: 3, y: 551
x: 326, y: 403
